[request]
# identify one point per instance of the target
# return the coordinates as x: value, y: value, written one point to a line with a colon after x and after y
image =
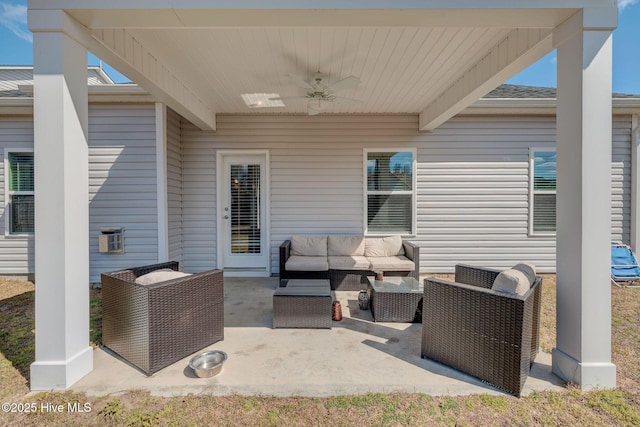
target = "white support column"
x: 161, y: 182
x: 635, y: 183
x: 60, y: 111
x: 583, y: 344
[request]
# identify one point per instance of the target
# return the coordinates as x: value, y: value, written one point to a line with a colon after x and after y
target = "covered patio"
x: 416, y: 58
x: 356, y: 356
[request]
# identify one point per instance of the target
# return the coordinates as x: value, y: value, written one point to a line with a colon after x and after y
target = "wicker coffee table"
x: 395, y: 299
x: 303, y: 304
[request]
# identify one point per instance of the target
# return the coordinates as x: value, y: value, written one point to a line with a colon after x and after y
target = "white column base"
x: 589, y: 376
x: 60, y: 375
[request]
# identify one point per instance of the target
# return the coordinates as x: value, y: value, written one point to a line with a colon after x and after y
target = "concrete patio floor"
x: 355, y: 357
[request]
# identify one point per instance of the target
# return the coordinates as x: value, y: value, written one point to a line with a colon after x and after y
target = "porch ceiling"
x: 426, y: 59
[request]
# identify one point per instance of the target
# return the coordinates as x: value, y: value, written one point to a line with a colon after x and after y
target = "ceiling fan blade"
x: 344, y: 84
x: 282, y: 98
x: 299, y: 81
x: 346, y: 101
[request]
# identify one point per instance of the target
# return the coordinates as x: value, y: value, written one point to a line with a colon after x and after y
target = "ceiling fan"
x: 321, y: 95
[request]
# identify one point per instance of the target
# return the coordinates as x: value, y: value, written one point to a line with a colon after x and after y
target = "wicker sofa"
x: 347, y: 260
x: 491, y: 335
x: 152, y: 326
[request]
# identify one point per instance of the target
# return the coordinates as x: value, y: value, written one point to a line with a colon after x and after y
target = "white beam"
x: 517, y: 51
x: 314, y: 4
x: 583, y: 305
x: 60, y: 111
x: 251, y: 13
x: 122, y: 51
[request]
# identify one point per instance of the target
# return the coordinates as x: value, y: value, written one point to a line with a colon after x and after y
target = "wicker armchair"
x: 153, y: 326
x: 490, y: 335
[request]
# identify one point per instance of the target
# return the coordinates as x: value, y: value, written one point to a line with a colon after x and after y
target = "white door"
x: 243, y: 214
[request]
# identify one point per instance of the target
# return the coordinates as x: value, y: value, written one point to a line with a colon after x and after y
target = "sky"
x: 16, y: 48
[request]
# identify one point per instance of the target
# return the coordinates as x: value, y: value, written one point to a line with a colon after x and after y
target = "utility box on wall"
x: 111, y: 240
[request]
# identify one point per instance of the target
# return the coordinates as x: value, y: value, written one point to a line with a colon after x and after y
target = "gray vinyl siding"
x: 122, y: 183
x: 174, y: 185
x: 198, y: 200
x: 621, y: 180
x: 472, y: 191
x: 473, y: 183
x: 16, y: 253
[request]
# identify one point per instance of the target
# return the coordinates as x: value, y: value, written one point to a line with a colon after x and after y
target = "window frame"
x: 8, y: 193
x: 413, y: 192
x: 533, y: 192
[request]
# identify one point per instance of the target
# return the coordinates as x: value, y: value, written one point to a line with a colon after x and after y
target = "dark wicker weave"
x: 302, y: 306
x: 346, y: 280
x: 156, y: 325
x: 490, y: 335
x: 394, y: 306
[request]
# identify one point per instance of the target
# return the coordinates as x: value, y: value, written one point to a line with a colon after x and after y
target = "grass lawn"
x: 135, y: 408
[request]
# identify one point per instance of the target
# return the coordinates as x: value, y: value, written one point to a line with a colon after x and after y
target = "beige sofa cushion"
x: 391, y: 263
x: 383, y: 246
x: 309, y: 246
x: 348, y: 263
x: 511, y: 281
x: 307, y: 263
x: 160, y: 275
x: 346, y: 245
x: 528, y: 269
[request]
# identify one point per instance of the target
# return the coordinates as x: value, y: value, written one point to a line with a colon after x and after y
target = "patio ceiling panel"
x: 411, y: 56
x: 401, y: 68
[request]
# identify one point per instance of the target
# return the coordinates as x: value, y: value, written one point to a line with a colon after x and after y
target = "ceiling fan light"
x: 318, y: 104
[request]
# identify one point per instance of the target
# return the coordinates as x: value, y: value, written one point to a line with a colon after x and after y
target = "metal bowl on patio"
x: 208, y: 364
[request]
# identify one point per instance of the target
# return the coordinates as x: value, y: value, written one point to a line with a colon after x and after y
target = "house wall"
x: 122, y: 186
x: 174, y: 185
x: 472, y: 174
x: 122, y: 183
x: 472, y: 183
x: 16, y: 253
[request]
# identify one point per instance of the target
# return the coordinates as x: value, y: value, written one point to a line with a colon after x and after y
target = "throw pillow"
x: 383, y: 246
x: 309, y: 246
x: 528, y: 269
x: 161, y: 275
x: 511, y: 281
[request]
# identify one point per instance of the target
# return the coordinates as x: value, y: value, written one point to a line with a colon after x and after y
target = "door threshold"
x: 246, y: 272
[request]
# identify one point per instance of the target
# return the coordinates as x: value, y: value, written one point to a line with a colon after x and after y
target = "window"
x: 19, y: 185
x: 542, y: 211
x: 390, y: 192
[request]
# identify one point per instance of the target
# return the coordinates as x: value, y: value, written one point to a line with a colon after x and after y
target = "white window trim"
x: 7, y: 193
x: 533, y: 233
x: 366, y: 192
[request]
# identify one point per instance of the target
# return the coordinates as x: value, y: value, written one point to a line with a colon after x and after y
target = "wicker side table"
x: 395, y: 299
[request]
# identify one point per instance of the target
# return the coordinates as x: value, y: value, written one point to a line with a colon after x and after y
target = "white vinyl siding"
x: 174, y: 185
x: 122, y: 183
